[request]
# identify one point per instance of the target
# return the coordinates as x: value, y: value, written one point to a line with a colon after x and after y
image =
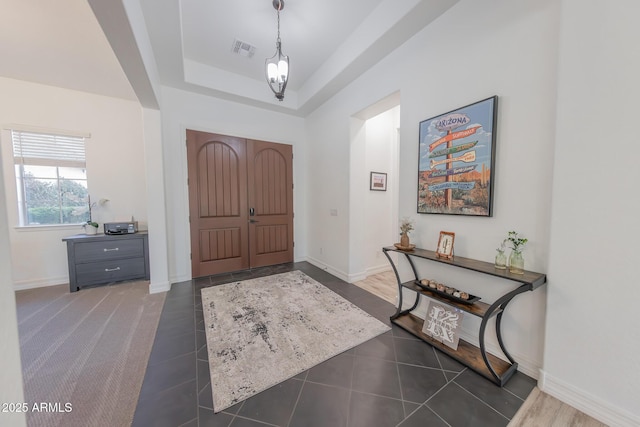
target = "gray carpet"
x: 84, y: 354
x: 263, y: 331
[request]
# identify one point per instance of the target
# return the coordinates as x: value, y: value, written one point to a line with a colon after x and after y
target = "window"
x: 51, y: 178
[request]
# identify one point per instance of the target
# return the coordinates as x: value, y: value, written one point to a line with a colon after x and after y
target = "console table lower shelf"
x: 467, y: 354
x: 475, y: 357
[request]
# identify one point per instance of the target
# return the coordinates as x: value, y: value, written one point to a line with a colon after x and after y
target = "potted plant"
x: 91, y: 227
x: 406, y: 225
x: 516, y: 261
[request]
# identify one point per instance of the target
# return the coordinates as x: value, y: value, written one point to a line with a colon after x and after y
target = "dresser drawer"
x: 101, y: 259
x: 108, y: 249
x: 110, y: 271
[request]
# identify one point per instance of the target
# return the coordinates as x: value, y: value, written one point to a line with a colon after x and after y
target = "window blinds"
x: 41, y: 149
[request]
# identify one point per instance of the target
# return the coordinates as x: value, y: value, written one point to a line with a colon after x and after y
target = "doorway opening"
x: 373, y: 218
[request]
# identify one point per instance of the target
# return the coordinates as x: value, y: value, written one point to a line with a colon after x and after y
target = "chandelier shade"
x: 277, y: 67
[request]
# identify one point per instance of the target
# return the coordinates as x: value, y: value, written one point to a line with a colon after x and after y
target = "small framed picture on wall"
x: 378, y: 181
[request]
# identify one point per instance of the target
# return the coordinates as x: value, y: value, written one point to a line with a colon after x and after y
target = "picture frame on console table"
x: 457, y: 160
x: 445, y: 245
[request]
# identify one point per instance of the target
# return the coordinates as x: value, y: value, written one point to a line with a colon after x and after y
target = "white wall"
x: 183, y: 110
x: 11, y: 387
x: 115, y: 168
x: 592, y: 345
x: 476, y: 50
x: 157, y: 212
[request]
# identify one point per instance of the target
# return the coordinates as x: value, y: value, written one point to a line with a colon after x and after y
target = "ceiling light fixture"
x: 277, y: 67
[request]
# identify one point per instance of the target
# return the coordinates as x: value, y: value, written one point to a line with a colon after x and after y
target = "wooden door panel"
x: 270, y: 177
x: 220, y: 244
x: 217, y: 203
x: 218, y: 181
x: 271, y: 238
x: 270, y: 180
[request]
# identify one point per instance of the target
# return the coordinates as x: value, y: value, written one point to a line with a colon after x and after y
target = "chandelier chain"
x: 279, y: 7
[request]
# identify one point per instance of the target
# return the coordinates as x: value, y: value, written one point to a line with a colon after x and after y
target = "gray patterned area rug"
x: 263, y: 331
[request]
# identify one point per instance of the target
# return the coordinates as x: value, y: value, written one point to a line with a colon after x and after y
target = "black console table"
x: 495, y: 369
x: 101, y: 259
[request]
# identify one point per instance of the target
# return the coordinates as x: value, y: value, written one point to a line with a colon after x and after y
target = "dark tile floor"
x: 391, y: 380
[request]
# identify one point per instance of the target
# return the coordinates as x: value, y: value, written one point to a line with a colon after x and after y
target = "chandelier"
x: 277, y: 67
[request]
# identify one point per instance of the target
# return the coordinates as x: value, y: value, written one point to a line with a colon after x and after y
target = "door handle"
x: 253, y: 221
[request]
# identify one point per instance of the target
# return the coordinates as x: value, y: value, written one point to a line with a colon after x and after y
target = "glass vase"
x: 501, y: 260
x: 516, y: 263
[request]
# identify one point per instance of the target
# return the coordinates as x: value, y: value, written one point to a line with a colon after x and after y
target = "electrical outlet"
x: 320, y: 251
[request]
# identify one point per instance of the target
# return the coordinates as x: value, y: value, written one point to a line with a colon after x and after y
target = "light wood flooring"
x: 383, y: 285
x: 540, y: 409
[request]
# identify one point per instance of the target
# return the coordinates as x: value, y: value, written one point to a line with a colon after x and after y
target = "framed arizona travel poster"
x: 457, y: 158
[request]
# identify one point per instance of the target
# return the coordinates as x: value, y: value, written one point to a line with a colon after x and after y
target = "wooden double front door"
x: 240, y: 203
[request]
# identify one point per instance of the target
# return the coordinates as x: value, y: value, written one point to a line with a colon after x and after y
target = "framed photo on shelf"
x: 457, y: 160
x: 445, y: 245
x: 378, y: 181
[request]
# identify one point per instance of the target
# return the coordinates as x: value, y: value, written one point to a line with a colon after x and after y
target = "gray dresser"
x: 102, y: 259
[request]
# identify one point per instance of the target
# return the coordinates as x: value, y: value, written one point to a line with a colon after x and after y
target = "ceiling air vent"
x: 243, y: 48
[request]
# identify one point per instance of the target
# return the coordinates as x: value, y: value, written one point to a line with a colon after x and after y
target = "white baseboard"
x: 179, y: 279
x: 349, y: 278
x: 379, y: 269
x: 156, y: 288
x: 356, y: 277
x: 593, y: 406
x: 339, y: 274
x: 32, y: 284
x: 40, y: 283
